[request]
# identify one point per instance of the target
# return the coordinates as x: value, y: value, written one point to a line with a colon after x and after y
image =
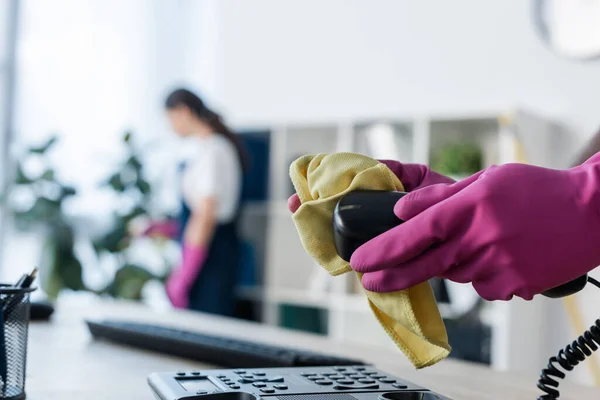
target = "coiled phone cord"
x: 569, y: 357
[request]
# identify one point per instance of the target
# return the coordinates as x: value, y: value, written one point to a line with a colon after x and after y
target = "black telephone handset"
x: 362, y: 215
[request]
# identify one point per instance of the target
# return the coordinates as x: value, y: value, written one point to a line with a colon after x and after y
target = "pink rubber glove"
x: 510, y: 230
x: 412, y: 176
x: 182, y: 279
x: 169, y: 228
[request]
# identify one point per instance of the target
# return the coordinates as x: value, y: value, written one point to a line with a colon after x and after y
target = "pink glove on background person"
x: 182, y: 279
x: 412, y: 176
x: 168, y: 228
x: 510, y: 230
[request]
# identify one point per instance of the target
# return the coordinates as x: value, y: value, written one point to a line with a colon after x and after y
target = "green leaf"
x: 129, y: 282
x: 45, y: 209
x: 45, y: 147
x: 24, y: 221
x: 458, y: 158
x: 62, y: 232
x: 114, y: 241
x: 116, y: 183
x: 20, y: 177
x: 136, y: 212
x: 51, y: 282
x: 143, y: 186
x: 67, y: 191
x: 48, y: 175
x: 70, y: 270
x: 134, y: 163
x: 60, y: 268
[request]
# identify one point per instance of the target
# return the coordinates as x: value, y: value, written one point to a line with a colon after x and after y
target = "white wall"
x: 318, y: 59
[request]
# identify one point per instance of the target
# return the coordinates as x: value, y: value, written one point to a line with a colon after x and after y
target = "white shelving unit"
x: 291, y: 277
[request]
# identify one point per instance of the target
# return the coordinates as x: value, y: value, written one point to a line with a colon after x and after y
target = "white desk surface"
x: 64, y: 362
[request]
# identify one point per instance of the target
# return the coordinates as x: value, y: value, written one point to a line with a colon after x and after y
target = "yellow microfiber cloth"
x: 410, y: 317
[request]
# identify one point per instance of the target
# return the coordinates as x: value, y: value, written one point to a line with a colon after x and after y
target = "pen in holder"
x: 14, y: 328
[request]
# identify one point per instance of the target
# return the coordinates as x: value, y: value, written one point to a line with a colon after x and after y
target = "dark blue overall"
x: 214, y: 289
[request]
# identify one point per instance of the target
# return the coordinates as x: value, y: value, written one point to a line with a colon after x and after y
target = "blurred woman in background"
x: 211, y: 183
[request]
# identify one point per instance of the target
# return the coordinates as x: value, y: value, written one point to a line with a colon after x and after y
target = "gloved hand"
x: 412, y: 176
x: 415, y: 176
x: 182, y: 279
x: 510, y: 230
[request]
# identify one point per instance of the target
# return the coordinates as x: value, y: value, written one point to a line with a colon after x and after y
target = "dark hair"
x: 184, y: 97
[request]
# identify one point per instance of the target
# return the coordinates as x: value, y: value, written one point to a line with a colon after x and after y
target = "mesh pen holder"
x: 14, y: 328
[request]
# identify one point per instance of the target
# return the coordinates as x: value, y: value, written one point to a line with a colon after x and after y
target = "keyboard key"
x: 244, y: 380
x: 280, y: 387
x: 355, y: 387
x: 314, y: 378
x: 240, y: 371
x: 378, y: 376
x: 234, y: 386
x: 259, y: 373
x: 340, y: 368
x: 359, y: 368
x: 366, y: 381
x: 307, y: 374
x: 259, y: 384
x: 267, y: 390
x: 387, y: 380
x: 324, y: 382
x: 355, y: 376
x: 337, y: 377
x: 275, y: 379
x: 196, y: 373
x: 346, y: 381
x: 400, y: 386
x: 180, y: 373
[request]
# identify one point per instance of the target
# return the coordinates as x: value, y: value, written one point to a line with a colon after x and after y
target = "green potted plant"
x: 60, y: 267
x: 458, y: 160
x: 128, y: 181
x: 45, y: 216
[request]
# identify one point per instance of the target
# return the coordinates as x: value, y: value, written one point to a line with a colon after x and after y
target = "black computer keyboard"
x: 217, y: 350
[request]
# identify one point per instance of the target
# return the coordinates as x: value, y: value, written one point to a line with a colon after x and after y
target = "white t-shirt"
x: 213, y: 169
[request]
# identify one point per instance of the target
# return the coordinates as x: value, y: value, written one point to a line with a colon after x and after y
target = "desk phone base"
x: 311, y: 383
